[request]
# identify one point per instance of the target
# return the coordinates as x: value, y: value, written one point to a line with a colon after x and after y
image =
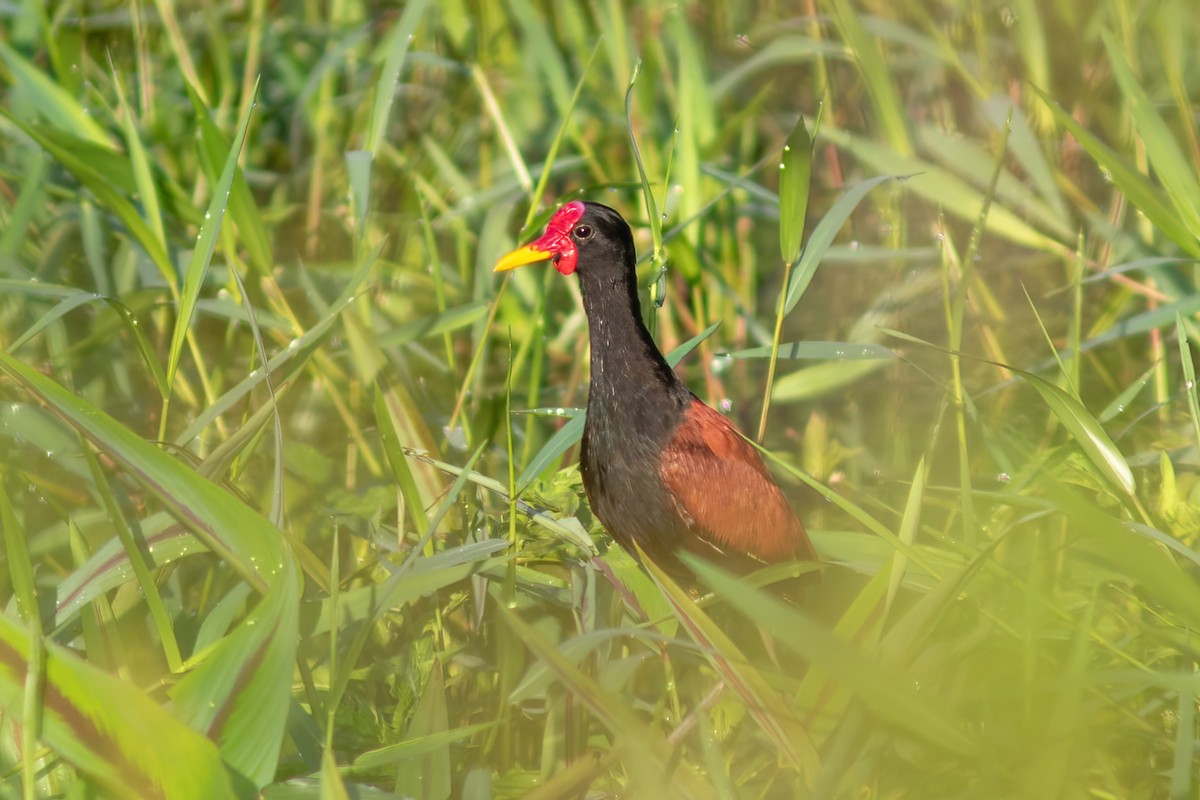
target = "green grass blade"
x: 400, y: 38
x: 20, y: 572
x: 940, y: 187
x: 1189, y: 376
x: 818, y: 351
x: 413, y: 500
x: 104, y: 184
x: 768, y: 709
x: 451, y: 319
x: 1177, y: 173
x: 886, y: 693
x: 1136, y: 187
x: 910, y: 522
x: 876, y: 75
x: 133, y: 554
x: 1086, y: 430
x: 822, y: 238
x: 109, y: 567
x: 242, y: 210
x: 795, y: 175
x: 563, y: 439
x: 301, y: 348
x: 51, y: 100
x: 644, y: 751
x: 139, y: 162
x: 197, y: 269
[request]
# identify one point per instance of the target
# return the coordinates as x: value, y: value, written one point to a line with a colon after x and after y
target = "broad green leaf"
x: 109, y: 730
x: 240, y: 692
x: 237, y: 533
x: 563, y: 439
x: 166, y: 541
x: 332, y: 787
x: 1086, y: 431
x: 418, y: 746
x: 820, y: 380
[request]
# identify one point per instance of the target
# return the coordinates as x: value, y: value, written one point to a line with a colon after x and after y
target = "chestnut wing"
x: 724, y: 494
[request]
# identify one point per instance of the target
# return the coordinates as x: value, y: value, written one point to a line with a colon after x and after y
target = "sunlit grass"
x: 288, y: 480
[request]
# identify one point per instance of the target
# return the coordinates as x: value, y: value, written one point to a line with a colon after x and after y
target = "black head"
x: 588, y: 237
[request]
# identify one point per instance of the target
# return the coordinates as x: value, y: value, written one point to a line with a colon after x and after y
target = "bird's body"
x: 660, y: 468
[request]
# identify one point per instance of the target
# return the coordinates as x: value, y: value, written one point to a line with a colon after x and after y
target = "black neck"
x: 627, y: 368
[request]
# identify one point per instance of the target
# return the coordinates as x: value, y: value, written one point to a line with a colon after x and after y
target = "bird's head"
x: 579, y: 236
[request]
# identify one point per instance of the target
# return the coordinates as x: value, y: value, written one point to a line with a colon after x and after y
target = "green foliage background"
x: 287, y: 488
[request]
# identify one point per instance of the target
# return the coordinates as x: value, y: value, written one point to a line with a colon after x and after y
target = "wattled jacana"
x: 660, y: 468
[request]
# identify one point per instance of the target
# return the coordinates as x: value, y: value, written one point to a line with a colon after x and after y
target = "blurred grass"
x: 254, y: 453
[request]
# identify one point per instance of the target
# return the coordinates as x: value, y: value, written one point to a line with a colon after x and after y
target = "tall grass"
x: 287, y: 476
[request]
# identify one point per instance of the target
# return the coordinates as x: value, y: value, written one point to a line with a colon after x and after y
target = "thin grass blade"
x: 822, y: 238
x: 884, y: 691
x: 193, y: 279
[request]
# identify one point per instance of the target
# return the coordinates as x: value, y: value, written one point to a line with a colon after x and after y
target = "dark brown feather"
x: 725, y: 495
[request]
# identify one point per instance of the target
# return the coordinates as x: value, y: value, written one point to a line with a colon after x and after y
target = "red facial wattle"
x: 556, y: 244
x: 557, y: 240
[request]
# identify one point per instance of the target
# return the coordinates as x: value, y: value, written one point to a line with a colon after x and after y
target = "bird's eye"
x: 583, y: 232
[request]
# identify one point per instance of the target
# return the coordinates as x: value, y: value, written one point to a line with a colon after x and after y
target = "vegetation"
x: 287, y: 485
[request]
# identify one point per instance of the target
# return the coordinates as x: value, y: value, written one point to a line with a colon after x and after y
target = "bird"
x: 660, y: 468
